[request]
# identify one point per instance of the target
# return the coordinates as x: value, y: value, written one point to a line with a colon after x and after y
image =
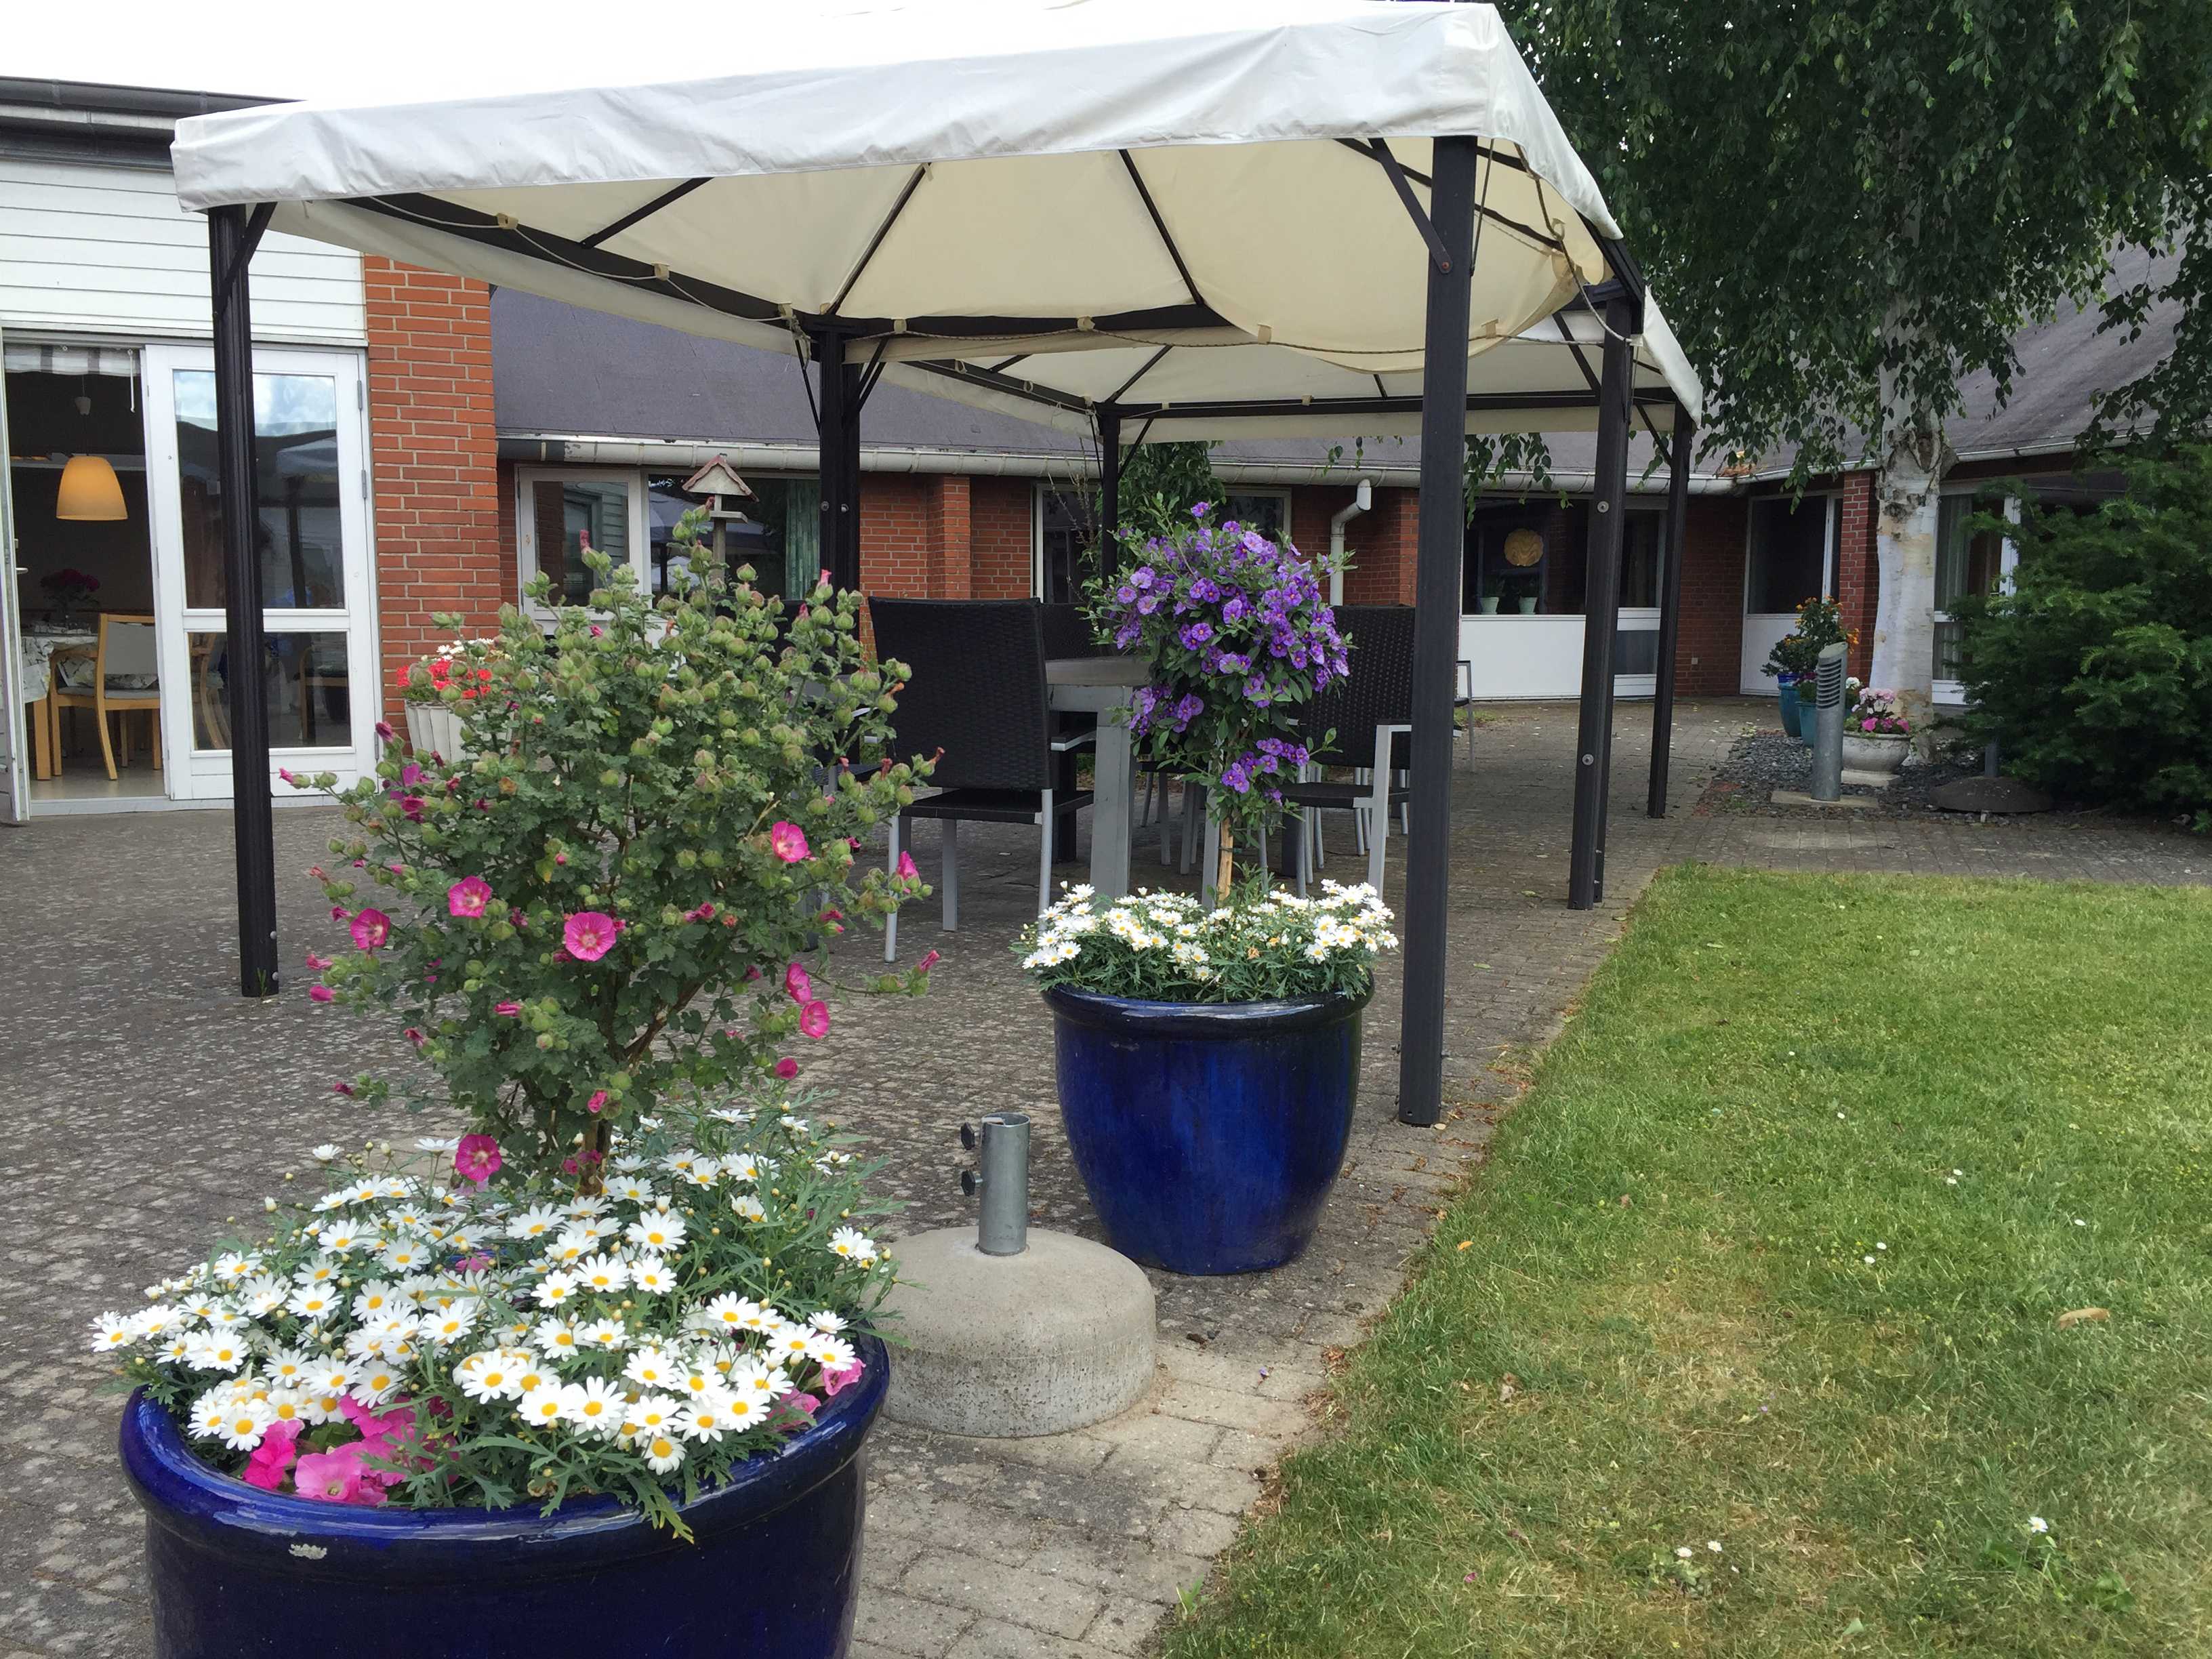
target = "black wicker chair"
x: 1371, y: 713
x: 976, y: 692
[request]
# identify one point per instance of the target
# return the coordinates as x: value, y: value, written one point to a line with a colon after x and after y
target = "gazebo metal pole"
x: 837, y: 418
x: 849, y: 460
x: 1110, y: 489
x: 1670, y: 608
x: 1442, y: 543
x: 233, y: 232
x: 1601, y: 610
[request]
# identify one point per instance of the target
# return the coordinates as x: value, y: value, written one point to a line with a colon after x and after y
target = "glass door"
x: 316, y: 672
x: 15, y: 774
x: 1977, y: 564
x: 1642, y: 570
x: 1790, y: 557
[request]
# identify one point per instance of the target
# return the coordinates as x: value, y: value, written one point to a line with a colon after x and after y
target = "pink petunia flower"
x: 321, y: 993
x: 332, y: 1477
x: 798, y: 985
x: 477, y: 1158
x: 469, y: 896
x: 814, y: 1019
x: 590, y: 934
x: 788, y: 840
x: 787, y: 1068
x: 371, y: 928
x: 835, y: 1382
x: 273, y: 1456
x: 508, y: 1009
x: 906, y: 867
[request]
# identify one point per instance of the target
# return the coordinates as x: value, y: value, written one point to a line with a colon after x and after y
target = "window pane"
x: 1787, y: 541
x: 1265, y: 513
x: 568, y: 514
x: 1635, y: 651
x: 296, y: 451
x: 1069, y: 545
x: 307, y: 684
x: 1643, y: 554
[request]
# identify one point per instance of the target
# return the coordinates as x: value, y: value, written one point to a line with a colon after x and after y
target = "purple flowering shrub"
x: 1238, y: 631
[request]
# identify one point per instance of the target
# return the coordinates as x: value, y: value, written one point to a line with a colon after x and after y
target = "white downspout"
x: 1362, y: 500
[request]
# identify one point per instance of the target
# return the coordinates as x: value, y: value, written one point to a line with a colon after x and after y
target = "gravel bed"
x: 1765, y: 759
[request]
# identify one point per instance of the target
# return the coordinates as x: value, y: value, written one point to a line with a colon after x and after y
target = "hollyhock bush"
x: 640, y: 1261
x: 1239, y: 634
x: 601, y: 900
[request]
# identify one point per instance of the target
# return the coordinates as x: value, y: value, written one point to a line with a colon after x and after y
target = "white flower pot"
x: 431, y: 728
x: 1865, y: 753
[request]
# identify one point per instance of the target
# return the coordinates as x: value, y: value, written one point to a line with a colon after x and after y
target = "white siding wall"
x: 107, y: 250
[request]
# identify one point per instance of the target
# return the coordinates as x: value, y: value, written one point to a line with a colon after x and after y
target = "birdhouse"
x: 718, y: 479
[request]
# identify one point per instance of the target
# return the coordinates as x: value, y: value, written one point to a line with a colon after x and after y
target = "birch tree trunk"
x: 1907, y: 489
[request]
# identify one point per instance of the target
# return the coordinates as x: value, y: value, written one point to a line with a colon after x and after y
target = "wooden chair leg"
x: 42, y: 740
x: 154, y: 725
x: 106, y: 749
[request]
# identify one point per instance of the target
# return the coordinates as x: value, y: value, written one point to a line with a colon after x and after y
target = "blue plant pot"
x: 239, y: 1573
x: 1808, y: 712
x: 1785, y: 696
x: 1208, y: 1134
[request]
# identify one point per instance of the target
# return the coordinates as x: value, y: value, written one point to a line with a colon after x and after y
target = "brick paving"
x: 149, y: 1102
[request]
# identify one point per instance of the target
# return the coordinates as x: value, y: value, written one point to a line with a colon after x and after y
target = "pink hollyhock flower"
x: 317, y: 964
x: 509, y: 1009
x: 835, y: 1383
x: 753, y: 972
x: 797, y: 984
x: 787, y: 1068
x: 332, y: 1477
x: 703, y: 912
x: 414, y: 1035
x: 477, y: 1158
x: 569, y: 1166
x: 906, y: 866
x: 342, y: 1087
x: 787, y: 841
x: 371, y: 928
x: 412, y: 806
x: 473, y: 1263
x: 598, y: 1102
x: 469, y: 896
x: 318, y: 872
x: 339, y: 911
x: 814, y: 1019
x: 285, y: 774
x: 590, y: 934
x: 384, y: 732
x: 833, y: 919
x: 929, y: 960
x: 273, y: 1456
x: 321, y: 993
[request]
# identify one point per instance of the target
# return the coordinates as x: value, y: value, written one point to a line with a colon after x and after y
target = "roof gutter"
x: 569, y: 449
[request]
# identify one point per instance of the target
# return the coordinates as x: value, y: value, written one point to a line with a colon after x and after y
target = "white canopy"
x: 1191, y: 209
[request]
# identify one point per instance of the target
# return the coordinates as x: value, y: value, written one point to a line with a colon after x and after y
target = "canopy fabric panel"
x: 1197, y: 212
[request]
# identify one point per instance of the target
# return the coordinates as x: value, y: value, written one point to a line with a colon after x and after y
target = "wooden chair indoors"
x: 125, y: 650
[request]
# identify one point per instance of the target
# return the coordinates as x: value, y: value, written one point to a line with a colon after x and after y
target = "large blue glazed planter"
x: 1786, y: 697
x: 1208, y: 1134
x: 240, y: 1573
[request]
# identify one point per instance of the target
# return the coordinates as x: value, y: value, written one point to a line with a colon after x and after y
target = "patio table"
x: 1103, y: 686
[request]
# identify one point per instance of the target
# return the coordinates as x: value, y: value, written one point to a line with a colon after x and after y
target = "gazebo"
x: 1130, y: 219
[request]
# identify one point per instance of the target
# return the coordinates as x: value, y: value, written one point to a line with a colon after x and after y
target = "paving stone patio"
x: 147, y: 1102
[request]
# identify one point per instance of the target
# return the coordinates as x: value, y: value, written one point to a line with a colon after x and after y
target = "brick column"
x: 434, y: 456
x: 1858, y: 574
x: 946, y: 521
x: 1382, y: 544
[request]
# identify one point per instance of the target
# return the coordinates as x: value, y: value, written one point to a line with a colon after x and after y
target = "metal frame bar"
x: 1670, y: 612
x: 1600, y: 614
x: 906, y: 195
x: 1441, y: 540
x: 1109, y: 488
x: 232, y: 234
x: 638, y: 215
x: 1542, y: 239
x: 1380, y: 149
x: 1160, y: 225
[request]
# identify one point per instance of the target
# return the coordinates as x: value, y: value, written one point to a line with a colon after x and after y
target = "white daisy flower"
x: 112, y: 1331
x: 322, y: 1270
x: 406, y: 1255
x: 215, y: 1351
x: 832, y: 1353
x: 593, y: 1406
x: 263, y: 1295
x: 327, y: 1154
x: 753, y: 1379
x: 557, y: 1339
x: 709, y: 1416
x: 656, y: 1233
x: 450, y: 1324
x: 601, y: 1272
x: 789, y: 1343
x: 826, y: 1321
x: 729, y: 1313
x: 538, y: 1222
x: 851, y: 1244
x: 288, y: 1368
x: 207, y: 1413
x: 649, y: 1275
x: 555, y: 1289
x: 662, y: 1450
x: 543, y: 1406
x: 749, y: 1206
x: 241, y: 1424
x: 652, y: 1367
x: 232, y: 1268
x: 607, y: 1334
x: 652, y: 1414
x: 375, y: 1382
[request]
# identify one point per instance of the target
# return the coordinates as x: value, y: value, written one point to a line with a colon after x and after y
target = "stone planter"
x: 1865, y: 753
x: 1208, y: 1134
x: 771, y: 1572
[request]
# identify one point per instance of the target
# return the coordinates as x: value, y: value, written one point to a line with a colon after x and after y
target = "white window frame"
x: 526, y: 524
x: 1953, y: 692
x: 1747, y: 635
x: 1274, y: 492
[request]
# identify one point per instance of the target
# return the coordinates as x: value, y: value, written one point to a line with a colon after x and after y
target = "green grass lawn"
x: 1772, y: 1257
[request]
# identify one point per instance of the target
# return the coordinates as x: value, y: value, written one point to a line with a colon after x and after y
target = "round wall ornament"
x: 1523, y: 548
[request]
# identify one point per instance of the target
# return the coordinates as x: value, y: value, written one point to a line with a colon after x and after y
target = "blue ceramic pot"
x: 1208, y: 1134
x: 1785, y: 696
x: 239, y: 1573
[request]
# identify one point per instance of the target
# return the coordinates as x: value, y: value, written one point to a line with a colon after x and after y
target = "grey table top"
x: 1097, y: 670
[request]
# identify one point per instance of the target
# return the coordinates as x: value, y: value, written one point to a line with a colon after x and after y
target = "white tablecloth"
x: 40, y: 644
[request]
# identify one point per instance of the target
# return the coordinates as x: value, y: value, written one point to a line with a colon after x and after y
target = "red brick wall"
x: 1002, y: 528
x: 1859, y: 576
x: 1383, y: 545
x: 896, y: 515
x: 432, y: 458
x: 1709, y: 648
